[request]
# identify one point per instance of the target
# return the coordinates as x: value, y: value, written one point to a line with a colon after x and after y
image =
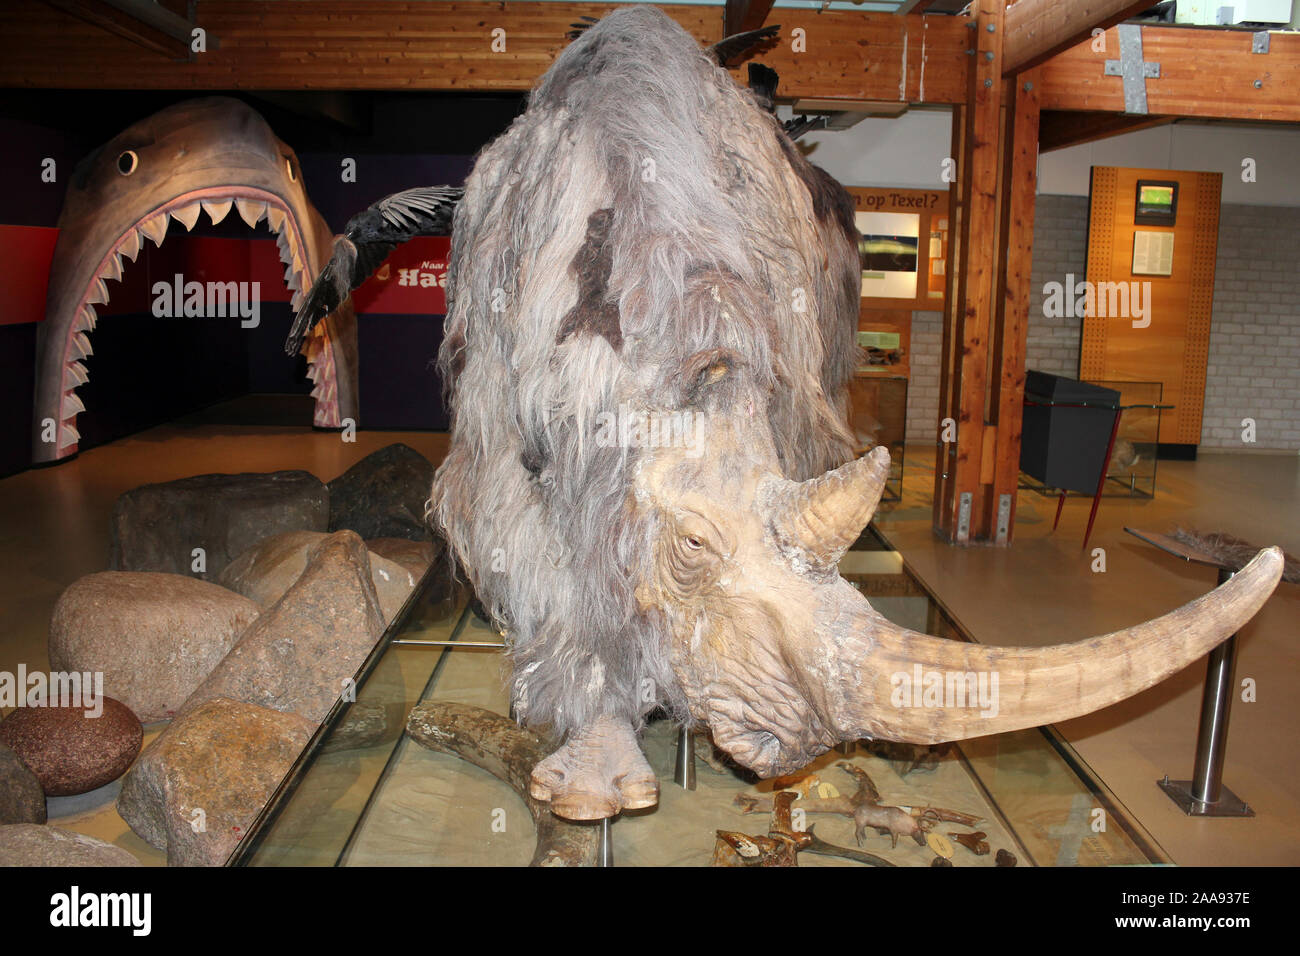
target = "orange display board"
x: 1149, y: 287
x: 905, y: 247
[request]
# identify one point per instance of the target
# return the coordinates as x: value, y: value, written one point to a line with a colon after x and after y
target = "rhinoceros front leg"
x: 599, y: 772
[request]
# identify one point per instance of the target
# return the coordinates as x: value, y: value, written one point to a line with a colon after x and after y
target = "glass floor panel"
x: 364, y: 793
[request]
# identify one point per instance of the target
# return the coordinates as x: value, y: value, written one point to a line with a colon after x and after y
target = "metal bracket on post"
x: 1004, y: 518
x: 1259, y: 42
x: 1131, y: 67
x: 963, y: 516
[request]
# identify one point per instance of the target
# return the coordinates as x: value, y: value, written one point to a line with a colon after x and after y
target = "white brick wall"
x: 1060, y: 249
x: 1254, y: 367
x: 923, y: 383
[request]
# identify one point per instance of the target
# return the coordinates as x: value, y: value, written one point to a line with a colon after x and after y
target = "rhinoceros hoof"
x: 598, y: 773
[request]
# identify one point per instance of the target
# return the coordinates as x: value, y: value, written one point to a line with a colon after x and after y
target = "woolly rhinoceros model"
x: 653, y: 299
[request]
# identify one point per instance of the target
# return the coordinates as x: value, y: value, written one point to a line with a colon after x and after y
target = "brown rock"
x: 28, y: 844
x: 268, y: 569
x: 157, y: 527
x: 70, y: 752
x: 21, y: 798
x: 198, y: 786
x: 153, y: 636
x: 383, y: 495
x: 297, y: 655
x: 415, y: 556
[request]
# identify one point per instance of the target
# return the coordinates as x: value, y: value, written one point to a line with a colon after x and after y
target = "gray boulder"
x: 157, y: 527
x: 268, y: 569
x: 383, y: 495
x: 21, y: 798
x: 28, y: 844
x: 298, y: 653
x: 154, y: 636
x: 415, y: 556
x: 197, y: 787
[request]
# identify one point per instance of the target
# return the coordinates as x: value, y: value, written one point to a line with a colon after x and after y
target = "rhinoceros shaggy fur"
x: 652, y: 305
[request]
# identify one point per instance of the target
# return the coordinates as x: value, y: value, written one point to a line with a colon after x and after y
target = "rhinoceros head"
x: 782, y: 658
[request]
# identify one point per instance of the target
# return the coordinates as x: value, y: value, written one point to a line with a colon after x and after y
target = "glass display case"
x: 878, y: 416
x: 365, y: 792
x: 1131, y: 469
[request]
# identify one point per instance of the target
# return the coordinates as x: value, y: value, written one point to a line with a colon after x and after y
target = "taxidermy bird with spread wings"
x: 375, y: 232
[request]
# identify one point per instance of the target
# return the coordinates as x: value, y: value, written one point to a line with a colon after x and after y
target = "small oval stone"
x: 70, y: 752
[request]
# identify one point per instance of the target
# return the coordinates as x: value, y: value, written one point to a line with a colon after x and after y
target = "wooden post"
x: 1020, y: 185
x: 983, y: 359
x: 967, y: 335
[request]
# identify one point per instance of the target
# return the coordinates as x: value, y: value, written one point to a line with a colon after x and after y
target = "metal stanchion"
x: 684, y: 766
x: 606, y: 853
x: 1205, y: 795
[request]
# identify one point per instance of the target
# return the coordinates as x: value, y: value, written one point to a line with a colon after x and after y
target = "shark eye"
x: 288, y: 165
x: 127, y: 161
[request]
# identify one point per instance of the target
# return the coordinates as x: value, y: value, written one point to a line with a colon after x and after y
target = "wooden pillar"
x: 1020, y: 186
x: 995, y: 140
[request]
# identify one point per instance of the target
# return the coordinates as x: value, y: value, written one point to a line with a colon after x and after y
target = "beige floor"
x: 1043, y: 591
x: 54, y: 528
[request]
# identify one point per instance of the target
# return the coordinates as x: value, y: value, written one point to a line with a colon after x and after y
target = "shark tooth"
x: 217, y: 209
x: 251, y: 211
x: 188, y: 214
x: 130, y: 245
x: 74, y: 374
x: 113, y: 268
x: 98, y: 294
x: 72, y: 405
x: 282, y: 243
x: 293, y: 280
x: 69, y: 435
x: 275, y: 216
x: 86, y: 318
x: 296, y: 303
x: 155, y: 228
x: 81, y: 346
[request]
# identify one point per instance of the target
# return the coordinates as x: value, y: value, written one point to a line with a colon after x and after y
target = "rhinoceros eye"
x: 692, y: 543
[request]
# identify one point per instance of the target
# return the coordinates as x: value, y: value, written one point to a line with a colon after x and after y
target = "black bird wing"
x: 579, y: 28
x: 367, y: 240
x: 798, y: 125
x: 742, y: 45
x: 762, y: 83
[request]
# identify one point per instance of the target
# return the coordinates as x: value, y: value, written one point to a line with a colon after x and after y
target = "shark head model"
x: 205, y: 155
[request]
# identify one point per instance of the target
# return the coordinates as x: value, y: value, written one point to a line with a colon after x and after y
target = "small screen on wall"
x: 1157, y: 203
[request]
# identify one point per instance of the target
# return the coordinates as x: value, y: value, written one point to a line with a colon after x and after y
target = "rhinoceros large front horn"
x: 897, y: 684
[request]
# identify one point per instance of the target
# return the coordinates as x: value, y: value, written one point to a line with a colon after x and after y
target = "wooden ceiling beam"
x: 1036, y: 30
x: 121, y: 23
x: 1205, y: 73
x: 1058, y: 129
x: 413, y: 45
